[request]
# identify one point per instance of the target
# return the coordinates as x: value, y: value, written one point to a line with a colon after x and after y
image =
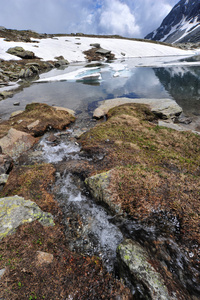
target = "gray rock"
x: 2, y: 272
x: 98, y: 186
x: 95, y: 45
x: 103, y: 51
x: 15, y: 211
x: 164, y: 108
x: 20, y: 52
x: 134, y: 260
x: 6, y: 163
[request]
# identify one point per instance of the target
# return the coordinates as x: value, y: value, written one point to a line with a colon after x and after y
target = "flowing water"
x: 89, y: 227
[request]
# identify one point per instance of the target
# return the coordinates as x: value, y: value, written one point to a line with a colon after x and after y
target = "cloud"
x: 130, y: 18
x: 116, y: 18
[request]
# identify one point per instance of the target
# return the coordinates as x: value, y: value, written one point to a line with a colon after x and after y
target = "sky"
x: 129, y: 18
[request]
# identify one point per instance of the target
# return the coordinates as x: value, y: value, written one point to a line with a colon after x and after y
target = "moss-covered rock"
x: 135, y: 260
x: 20, y: 52
x: 98, y: 186
x: 15, y: 211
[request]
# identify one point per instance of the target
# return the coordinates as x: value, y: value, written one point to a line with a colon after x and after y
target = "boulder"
x: 135, y: 262
x: 163, y: 108
x: 70, y: 111
x: 98, y: 185
x: 15, y: 211
x: 20, y: 52
x: 16, y: 142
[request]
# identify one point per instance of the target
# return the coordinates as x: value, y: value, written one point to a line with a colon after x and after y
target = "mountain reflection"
x: 183, y: 84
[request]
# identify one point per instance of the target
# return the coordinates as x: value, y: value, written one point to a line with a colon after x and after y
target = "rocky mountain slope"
x: 181, y: 25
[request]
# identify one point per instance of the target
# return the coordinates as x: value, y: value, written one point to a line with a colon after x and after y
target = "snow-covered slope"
x: 71, y: 48
x: 182, y: 24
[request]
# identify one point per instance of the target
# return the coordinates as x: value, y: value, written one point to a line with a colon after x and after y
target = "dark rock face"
x: 181, y: 25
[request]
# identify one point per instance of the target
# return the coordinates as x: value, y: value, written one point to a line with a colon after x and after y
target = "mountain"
x: 181, y: 25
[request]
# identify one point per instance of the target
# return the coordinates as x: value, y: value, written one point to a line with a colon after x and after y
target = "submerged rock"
x: 15, y: 211
x: 134, y: 260
x: 164, y: 108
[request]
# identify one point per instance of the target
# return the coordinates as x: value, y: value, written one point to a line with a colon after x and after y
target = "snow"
x: 82, y: 74
x: 71, y: 48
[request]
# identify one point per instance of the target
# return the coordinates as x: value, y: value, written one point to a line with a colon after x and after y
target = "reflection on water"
x: 179, y: 83
x: 183, y: 84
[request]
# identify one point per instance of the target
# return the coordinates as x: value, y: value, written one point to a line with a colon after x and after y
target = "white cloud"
x: 124, y: 17
x: 116, y: 18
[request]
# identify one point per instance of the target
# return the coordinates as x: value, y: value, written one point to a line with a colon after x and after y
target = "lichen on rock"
x: 15, y: 211
x: 135, y: 260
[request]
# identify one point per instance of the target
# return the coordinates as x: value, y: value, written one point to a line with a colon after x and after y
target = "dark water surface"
x: 179, y: 83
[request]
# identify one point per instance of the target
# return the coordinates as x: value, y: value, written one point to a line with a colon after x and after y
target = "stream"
x: 90, y: 229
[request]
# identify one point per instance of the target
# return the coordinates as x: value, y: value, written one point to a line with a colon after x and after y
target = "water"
x: 179, y: 83
x: 89, y: 228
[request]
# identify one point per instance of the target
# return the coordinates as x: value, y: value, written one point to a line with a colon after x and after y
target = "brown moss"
x: 47, y: 117
x: 156, y: 169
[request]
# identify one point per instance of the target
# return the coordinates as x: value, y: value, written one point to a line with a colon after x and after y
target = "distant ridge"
x: 181, y: 25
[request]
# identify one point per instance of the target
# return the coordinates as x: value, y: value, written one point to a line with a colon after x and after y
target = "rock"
x: 20, y: 52
x: 15, y: 211
x: 98, y: 186
x: 61, y: 63
x: 164, y: 108
x: 16, y: 142
x: 171, y: 125
x: 70, y: 111
x: 95, y: 45
x: 5, y: 94
x: 6, y: 164
x: 2, y: 272
x: 103, y: 51
x: 44, y: 258
x: 16, y: 103
x: 33, y: 125
x: 16, y: 113
x: 135, y: 260
x: 3, y: 180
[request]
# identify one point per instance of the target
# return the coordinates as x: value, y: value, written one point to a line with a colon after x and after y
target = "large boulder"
x: 20, y: 52
x: 164, y: 108
x: 15, y: 211
x: 16, y: 142
x: 135, y: 262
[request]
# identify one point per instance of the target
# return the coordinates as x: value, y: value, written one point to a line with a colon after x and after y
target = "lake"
x: 118, y: 79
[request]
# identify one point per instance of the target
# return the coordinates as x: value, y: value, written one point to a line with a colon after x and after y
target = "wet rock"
x: 44, y: 258
x: 15, y: 211
x: 164, y: 108
x: 5, y: 94
x: 20, y: 52
x: 16, y: 103
x: 98, y: 186
x: 134, y: 261
x: 16, y: 142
